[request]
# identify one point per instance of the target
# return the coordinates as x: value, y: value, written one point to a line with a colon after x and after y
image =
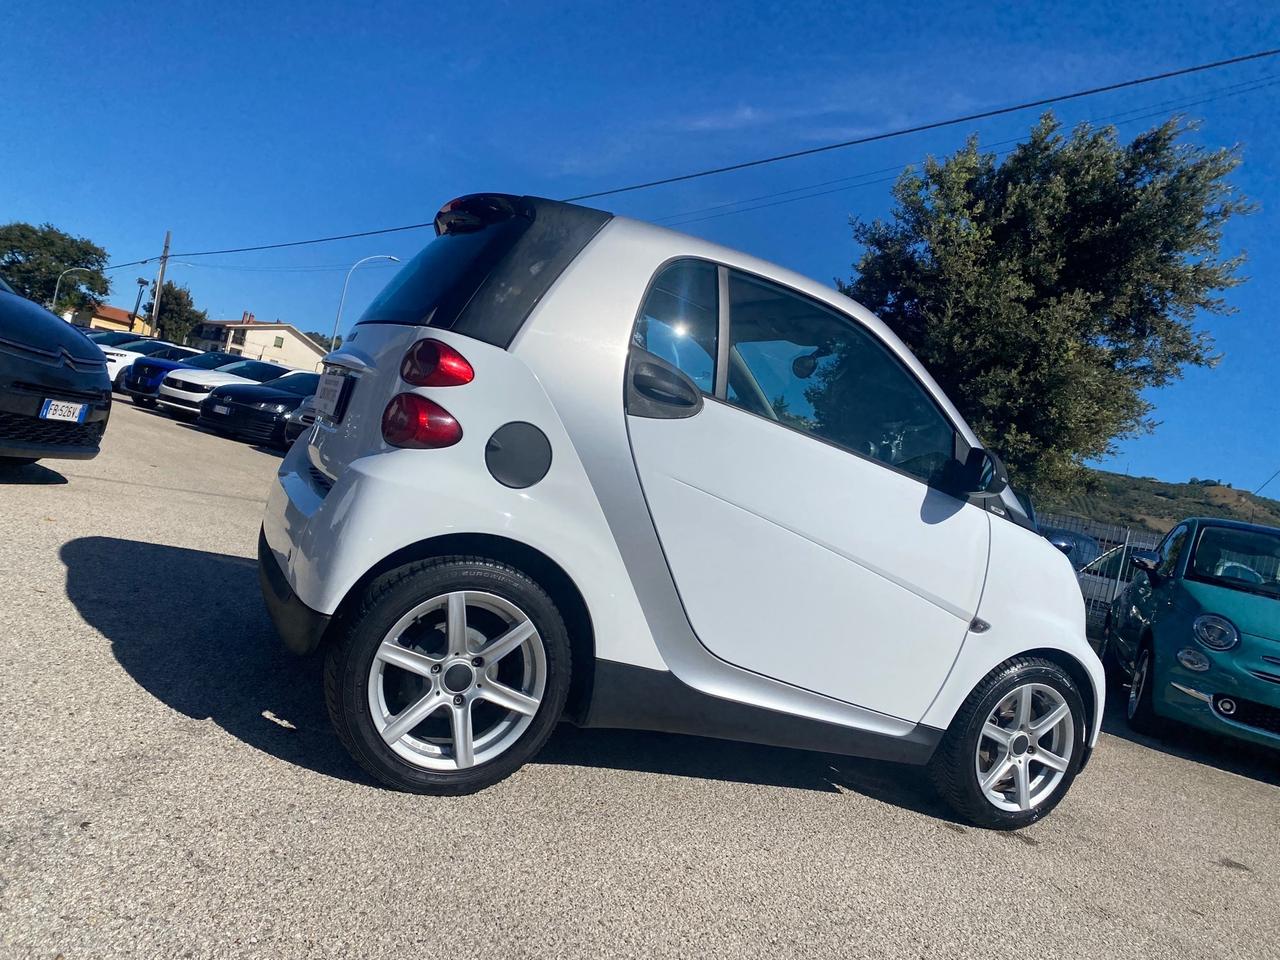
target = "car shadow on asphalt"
x: 190, y: 627
x: 705, y: 759
x: 30, y: 474
x: 1189, y: 743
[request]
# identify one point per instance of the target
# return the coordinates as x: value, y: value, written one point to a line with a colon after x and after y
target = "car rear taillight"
x: 431, y: 363
x: 418, y: 423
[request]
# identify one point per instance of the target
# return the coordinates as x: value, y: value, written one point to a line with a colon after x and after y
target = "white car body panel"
x: 835, y: 571
x: 378, y: 504
x: 190, y: 399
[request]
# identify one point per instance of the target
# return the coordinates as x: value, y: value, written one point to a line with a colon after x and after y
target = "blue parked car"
x: 142, y: 379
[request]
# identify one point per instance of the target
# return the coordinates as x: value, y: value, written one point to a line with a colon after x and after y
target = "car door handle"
x: 658, y: 390
x: 662, y: 386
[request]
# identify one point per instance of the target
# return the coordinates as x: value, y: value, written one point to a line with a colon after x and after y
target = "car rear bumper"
x: 300, y: 627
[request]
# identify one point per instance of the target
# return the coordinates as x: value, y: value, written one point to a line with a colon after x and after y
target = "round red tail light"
x: 418, y: 423
x: 432, y: 363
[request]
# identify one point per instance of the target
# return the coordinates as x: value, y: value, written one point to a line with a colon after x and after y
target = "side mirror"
x: 1066, y: 546
x: 1147, y: 560
x: 980, y: 475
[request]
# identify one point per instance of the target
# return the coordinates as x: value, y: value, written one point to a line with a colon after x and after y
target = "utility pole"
x: 155, y: 301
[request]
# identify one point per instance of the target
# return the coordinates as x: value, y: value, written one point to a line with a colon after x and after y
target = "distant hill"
x: 1156, y: 506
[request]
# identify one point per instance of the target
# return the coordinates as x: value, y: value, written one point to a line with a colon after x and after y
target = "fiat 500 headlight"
x: 1215, y: 632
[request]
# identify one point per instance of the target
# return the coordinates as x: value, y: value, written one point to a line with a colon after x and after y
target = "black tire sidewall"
x: 1016, y: 674
x: 392, y: 596
x: 1144, y: 714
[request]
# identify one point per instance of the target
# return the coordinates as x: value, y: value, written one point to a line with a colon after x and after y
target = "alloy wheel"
x: 457, y: 680
x: 1025, y: 747
x: 1138, y: 683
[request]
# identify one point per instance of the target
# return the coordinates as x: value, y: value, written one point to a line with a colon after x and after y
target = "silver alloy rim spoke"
x: 456, y: 613
x: 470, y: 626
x: 391, y: 652
x: 509, y: 641
x: 463, y: 736
x: 1015, y: 770
x: 1023, y: 718
x: 997, y: 733
x: 504, y: 696
x: 411, y: 716
x: 1051, y: 760
x: 1022, y: 781
x: 1047, y: 723
x: 999, y: 770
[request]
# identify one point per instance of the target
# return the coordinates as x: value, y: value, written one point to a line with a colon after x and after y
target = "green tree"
x: 31, y: 258
x: 178, y: 313
x: 1047, y: 292
x: 323, y: 339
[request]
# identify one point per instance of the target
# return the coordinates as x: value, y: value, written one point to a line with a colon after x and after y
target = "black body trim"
x: 636, y: 698
x: 300, y: 627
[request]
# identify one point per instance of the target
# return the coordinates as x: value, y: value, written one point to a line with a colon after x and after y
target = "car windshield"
x: 211, y: 361
x: 303, y: 384
x: 255, y: 370
x: 1246, y: 560
x: 144, y: 347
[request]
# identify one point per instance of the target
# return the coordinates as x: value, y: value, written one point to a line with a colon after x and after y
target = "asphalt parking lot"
x: 169, y: 786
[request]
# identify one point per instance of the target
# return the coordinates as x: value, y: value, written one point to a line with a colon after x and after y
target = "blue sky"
x: 241, y: 123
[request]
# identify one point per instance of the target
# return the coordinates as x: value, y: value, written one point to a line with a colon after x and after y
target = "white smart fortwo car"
x: 573, y: 466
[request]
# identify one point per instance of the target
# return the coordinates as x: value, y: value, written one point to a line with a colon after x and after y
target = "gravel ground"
x: 169, y: 786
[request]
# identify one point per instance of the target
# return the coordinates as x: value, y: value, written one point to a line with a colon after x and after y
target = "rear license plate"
x: 62, y: 410
x: 219, y: 408
x: 331, y: 395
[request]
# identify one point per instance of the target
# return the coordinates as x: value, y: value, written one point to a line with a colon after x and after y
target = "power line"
x: 689, y: 218
x: 937, y: 124
x: 934, y: 125
x: 1234, y: 89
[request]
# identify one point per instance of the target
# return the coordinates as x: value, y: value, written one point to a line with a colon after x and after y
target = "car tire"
x: 371, y: 693
x: 147, y: 402
x: 957, y: 767
x: 1140, y: 708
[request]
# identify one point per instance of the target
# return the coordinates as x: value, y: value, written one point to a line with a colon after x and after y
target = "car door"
x: 1148, y: 594
x: 789, y: 460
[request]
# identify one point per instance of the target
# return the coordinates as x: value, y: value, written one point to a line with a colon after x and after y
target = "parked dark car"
x: 142, y: 379
x: 1080, y: 548
x: 111, y: 338
x: 258, y: 412
x: 55, y: 396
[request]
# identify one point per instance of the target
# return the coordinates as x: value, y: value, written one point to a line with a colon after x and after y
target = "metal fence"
x: 1100, y: 553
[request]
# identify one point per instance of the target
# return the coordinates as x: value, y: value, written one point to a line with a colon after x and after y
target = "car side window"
x: 811, y: 369
x: 1170, y: 551
x: 679, y: 320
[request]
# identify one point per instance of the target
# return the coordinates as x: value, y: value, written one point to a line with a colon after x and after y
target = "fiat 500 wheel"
x: 450, y: 675
x: 1015, y: 746
x: 1139, y: 708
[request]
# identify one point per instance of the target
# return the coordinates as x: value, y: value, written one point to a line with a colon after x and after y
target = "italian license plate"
x: 62, y: 410
x: 329, y: 395
x: 219, y: 408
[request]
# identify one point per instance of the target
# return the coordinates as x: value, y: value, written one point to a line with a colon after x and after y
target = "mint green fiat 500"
x: 1198, y: 631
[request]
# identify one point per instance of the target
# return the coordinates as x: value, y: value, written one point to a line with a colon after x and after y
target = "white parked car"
x: 121, y: 357
x: 572, y: 466
x: 183, y: 390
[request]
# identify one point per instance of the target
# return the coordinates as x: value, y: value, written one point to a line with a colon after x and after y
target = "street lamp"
x: 342, y: 299
x: 133, y: 317
x: 53, y: 304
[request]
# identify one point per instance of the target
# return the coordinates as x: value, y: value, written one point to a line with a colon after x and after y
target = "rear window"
x: 255, y: 370
x: 484, y: 282
x: 303, y: 384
